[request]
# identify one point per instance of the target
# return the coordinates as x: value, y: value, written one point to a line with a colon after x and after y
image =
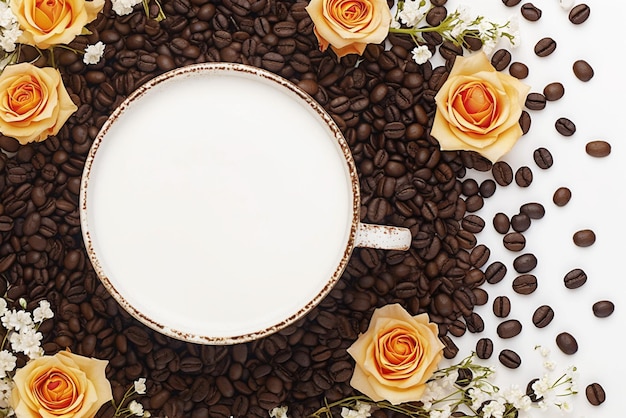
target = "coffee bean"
x: 535, y: 101
x: 502, y: 173
x: 562, y: 196
x: 553, y: 91
x: 457, y: 328
x: 565, y: 127
x: 598, y: 148
x: 525, y: 284
x: 545, y: 46
x: 579, y: 14
x: 525, y: 122
x: 495, y: 272
x: 514, y: 241
x: 534, y: 210
x: 525, y: 263
x: 501, y: 223
x: 595, y: 394
x: 487, y: 188
x: 509, y: 358
x: 484, y: 348
x: 501, y: 306
x: 518, y: 70
x: 436, y: 15
x: 531, y: 12
x: 543, y: 158
x: 509, y: 328
x: 523, y: 176
x: 511, y: 3
x: 520, y: 222
x: 584, y: 238
x: 582, y: 70
x: 567, y: 343
x: 575, y: 278
x: 501, y: 59
x: 475, y: 323
x: 530, y: 392
x: 473, y: 223
x: 542, y: 316
x: 603, y: 308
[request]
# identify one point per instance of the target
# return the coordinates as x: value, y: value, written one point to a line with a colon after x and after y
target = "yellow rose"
x: 478, y: 108
x: 53, y: 22
x: 349, y: 25
x: 33, y: 102
x: 396, y: 355
x: 64, y: 385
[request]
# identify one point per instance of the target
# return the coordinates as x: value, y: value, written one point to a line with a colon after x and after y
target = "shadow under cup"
x: 220, y: 203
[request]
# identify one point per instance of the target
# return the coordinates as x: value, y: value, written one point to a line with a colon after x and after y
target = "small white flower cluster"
x: 457, y: 27
x: 9, y: 28
x: 21, y: 333
x: 279, y: 412
x: 133, y: 408
x: 124, y: 7
x: 93, y: 53
x: 359, y: 410
x: 551, y: 392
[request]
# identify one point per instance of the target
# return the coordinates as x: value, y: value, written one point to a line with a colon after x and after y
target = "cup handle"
x: 383, y: 237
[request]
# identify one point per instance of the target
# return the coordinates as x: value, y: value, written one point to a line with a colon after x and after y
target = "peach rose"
x: 349, y: 25
x: 33, y: 102
x: 478, y: 108
x: 52, y: 22
x: 64, y: 385
x: 396, y: 356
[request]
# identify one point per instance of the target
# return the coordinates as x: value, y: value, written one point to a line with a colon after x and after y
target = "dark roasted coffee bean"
x: 598, y: 148
x: 495, y: 272
x: 543, y: 158
x: 562, y: 196
x: 509, y: 328
x: 584, y: 238
x: 484, y: 348
x: 534, y: 210
x: 473, y: 223
x: 545, y: 46
x: 567, y: 343
x: 565, y: 127
x: 525, y: 263
x: 514, y: 241
x: 436, y: 15
x: 595, y: 394
x: 579, y: 14
x: 535, y: 101
x: 487, y: 188
x: 525, y: 284
x: 509, y: 358
x: 511, y: 3
x: 501, y: 59
x: 501, y: 306
x: 553, y: 91
x: 582, y: 70
x: 523, y: 176
x: 531, y: 12
x: 603, y: 308
x: 475, y: 323
x: 502, y: 173
x: 530, y: 392
x: 542, y: 316
x: 525, y: 122
x: 501, y: 223
x: 575, y: 278
x: 520, y: 222
x: 518, y: 70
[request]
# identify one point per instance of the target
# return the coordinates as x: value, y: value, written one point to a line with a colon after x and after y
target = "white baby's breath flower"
x: 16, y: 320
x: 279, y: 412
x: 140, y: 385
x: 3, y: 306
x: 93, y: 53
x: 549, y: 365
x: 42, y: 312
x: 493, y: 409
x: 421, y: 54
x: 488, y: 46
x: 440, y: 413
x: 27, y: 341
x: 544, y: 351
x: 411, y: 13
x: 135, y: 408
x: 7, y: 363
x: 124, y: 7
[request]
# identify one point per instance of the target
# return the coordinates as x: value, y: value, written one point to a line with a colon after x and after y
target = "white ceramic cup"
x: 220, y: 203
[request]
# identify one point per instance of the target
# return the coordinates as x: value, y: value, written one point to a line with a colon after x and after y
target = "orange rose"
x: 478, y: 108
x: 64, y: 385
x: 33, y: 102
x: 349, y: 25
x: 396, y: 356
x: 52, y: 22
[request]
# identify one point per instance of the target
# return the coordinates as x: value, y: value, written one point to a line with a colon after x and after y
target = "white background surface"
x: 598, y: 203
